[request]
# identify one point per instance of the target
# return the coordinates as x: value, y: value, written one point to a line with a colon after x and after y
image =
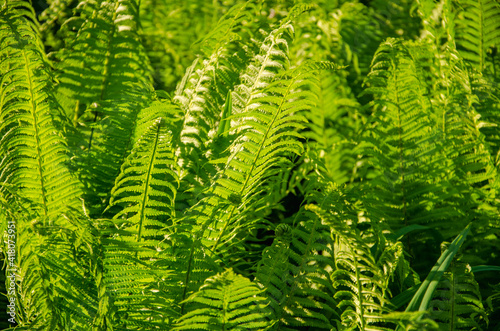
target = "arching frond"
x: 293, y: 273
x: 477, y: 30
x: 103, y: 82
x: 34, y: 156
x: 201, y: 95
x: 146, y: 187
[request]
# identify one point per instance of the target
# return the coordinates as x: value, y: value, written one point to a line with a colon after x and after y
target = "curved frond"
x: 477, y: 30
x: 147, y: 185
x: 34, y: 156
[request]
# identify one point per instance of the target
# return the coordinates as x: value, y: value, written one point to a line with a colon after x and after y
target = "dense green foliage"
x: 260, y: 165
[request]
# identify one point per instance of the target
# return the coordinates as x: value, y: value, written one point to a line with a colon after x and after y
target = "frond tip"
x: 226, y: 301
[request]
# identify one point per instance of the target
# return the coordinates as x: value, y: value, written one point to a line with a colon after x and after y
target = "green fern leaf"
x: 295, y: 278
x: 226, y: 301
x: 34, y: 156
x: 147, y: 184
x: 415, y: 180
x: 477, y: 30
x: 360, y: 281
x: 457, y: 301
x: 104, y: 81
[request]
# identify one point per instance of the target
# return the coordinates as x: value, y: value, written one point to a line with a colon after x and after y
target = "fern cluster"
x: 249, y: 165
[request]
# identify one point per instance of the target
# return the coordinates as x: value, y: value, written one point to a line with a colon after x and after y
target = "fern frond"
x: 33, y: 308
x: 360, y: 281
x: 143, y: 202
x: 211, y: 208
x: 201, y: 95
x: 477, y: 30
x: 146, y: 187
x: 416, y: 180
x: 54, y: 286
x: 226, y: 301
x: 268, y: 136
x: 457, y: 300
x: 226, y: 29
x: 34, y: 157
x: 293, y: 273
x: 53, y: 17
x: 332, y: 126
x: 129, y: 292
x: 103, y: 82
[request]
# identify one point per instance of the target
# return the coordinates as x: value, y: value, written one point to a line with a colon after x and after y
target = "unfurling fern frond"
x: 226, y: 301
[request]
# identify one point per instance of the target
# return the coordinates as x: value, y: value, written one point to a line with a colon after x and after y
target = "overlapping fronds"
x: 103, y: 82
x: 34, y: 155
x: 332, y: 126
x: 244, y: 169
x: 129, y: 287
x: 268, y: 135
x: 414, y: 183
x: 249, y: 165
x: 360, y: 278
x: 201, y: 95
x: 457, y: 300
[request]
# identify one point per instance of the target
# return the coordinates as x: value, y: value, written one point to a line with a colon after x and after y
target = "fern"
x: 360, y: 281
x: 103, y: 84
x: 457, y: 300
x: 477, y: 30
x: 232, y: 184
x: 294, y: 275
x: 249, y: 165
x: 145, y: 188
x: 418, y: 187
x: 34, y: 155
x: 200, y: 95
x: 226, y: 301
